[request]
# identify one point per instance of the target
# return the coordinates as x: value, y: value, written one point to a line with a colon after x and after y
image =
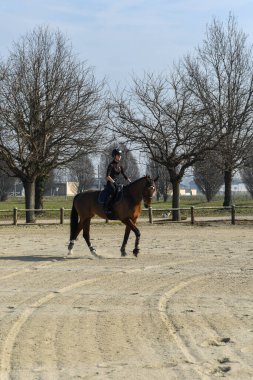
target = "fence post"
x: 62, y: 215
x: 15, y: 216
x: 192, y: 215
x: 150, y: 215
x: 233, y: 214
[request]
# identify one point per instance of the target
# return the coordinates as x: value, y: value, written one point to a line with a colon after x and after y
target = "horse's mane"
x: 147, y: 177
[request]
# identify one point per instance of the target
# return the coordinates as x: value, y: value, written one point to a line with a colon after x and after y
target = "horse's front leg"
x: 125, y: 240
x: 129, y: 223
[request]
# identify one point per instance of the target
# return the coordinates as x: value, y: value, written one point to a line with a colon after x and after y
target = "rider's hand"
x: 129, y: 180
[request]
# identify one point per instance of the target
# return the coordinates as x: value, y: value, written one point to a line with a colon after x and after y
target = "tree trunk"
x: 228, y: 186
x: 29, y: 187
x: 39, y: 191
x: 175, y: 199
x: 208, y: 193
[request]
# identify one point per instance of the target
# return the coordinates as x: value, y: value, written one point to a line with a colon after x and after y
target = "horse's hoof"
x: 123, y: 253
x: 93, y: 251
x: 70, y: 246
x: 136, y: 251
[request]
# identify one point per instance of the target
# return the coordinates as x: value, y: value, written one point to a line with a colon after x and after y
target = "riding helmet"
x: 116, y: 151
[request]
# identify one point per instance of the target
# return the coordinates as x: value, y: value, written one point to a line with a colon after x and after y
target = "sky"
x: 123, y: 38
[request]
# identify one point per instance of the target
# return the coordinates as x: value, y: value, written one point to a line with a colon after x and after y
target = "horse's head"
x: 148, y: 190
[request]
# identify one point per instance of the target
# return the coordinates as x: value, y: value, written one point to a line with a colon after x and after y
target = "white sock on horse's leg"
x: 70, y: 247
x: 93, y: 250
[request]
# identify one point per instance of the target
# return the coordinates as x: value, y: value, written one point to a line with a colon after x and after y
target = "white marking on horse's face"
x: 148, y: 195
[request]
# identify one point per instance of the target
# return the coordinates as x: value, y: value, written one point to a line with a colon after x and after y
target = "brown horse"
x: 127, y: 209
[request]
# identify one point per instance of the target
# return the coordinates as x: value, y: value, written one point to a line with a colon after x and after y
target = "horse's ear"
x: 156, y: 178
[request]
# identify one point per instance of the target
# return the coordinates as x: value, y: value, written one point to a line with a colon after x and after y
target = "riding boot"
x: 107, y: 204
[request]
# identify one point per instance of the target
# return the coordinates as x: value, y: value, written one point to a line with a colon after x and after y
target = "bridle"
x: 150, y: 192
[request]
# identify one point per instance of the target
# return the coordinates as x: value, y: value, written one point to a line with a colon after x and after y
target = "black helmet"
x: 116, y: 151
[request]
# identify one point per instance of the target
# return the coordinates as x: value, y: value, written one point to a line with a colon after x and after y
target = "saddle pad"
x: 103, y: 195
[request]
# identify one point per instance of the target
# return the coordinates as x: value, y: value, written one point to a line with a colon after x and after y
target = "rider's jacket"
x: 114, y: 170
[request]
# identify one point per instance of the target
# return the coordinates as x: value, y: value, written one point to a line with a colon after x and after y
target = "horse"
x: 127, y: 209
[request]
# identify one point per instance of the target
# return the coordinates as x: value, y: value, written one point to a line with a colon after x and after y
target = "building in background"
x: 62, y: 189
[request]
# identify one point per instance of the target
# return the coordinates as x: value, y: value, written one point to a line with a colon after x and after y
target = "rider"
x: 114, y: 169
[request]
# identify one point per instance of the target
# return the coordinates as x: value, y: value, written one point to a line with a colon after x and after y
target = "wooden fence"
x: 231, y: 212
x: 60, y: 216
x: 17, y: 216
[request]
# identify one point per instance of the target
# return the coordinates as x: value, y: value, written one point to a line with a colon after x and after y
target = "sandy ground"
x: 182, y: 310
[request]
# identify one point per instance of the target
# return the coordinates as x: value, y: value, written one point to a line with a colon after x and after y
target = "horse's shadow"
x: 32, y: 258
x: 43, y: 258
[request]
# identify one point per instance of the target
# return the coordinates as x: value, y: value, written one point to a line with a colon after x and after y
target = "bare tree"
x: 247, y: 173
x: 82, y: 171
x: 7, y: 182
x: 160, y: 116
x: 49, y: 184
x: 221, y: 78
x: 50, y: 108
x: 40, y: 184
x: 208, y: 175
x: 163, y: 183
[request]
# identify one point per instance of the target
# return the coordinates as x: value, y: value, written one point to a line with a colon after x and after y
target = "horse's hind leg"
x: 125, y: 240
x: 73, y: 238
x: 86, y: 235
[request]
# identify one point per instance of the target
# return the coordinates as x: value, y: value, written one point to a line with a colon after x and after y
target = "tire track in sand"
x: 215, y: 338
x: 14, y: 331
x: 30, y: 268
x: 27, y: 313
x: 5, y: 363
x: 162, y: 307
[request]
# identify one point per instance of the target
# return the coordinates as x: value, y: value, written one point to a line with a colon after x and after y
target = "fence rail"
x: 193, y: 210
x: 58, y: 216
x: 16, y: 216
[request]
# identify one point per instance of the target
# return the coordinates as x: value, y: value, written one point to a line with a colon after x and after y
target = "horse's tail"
x: 73, y: 222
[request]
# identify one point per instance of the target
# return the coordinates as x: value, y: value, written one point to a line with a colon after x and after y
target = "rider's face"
x: 118, y: 157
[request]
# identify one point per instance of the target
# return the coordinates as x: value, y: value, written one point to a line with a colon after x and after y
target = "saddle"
x: 103, y: 194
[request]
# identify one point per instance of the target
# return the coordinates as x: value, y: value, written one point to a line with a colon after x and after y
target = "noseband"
x: 149, y: 188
